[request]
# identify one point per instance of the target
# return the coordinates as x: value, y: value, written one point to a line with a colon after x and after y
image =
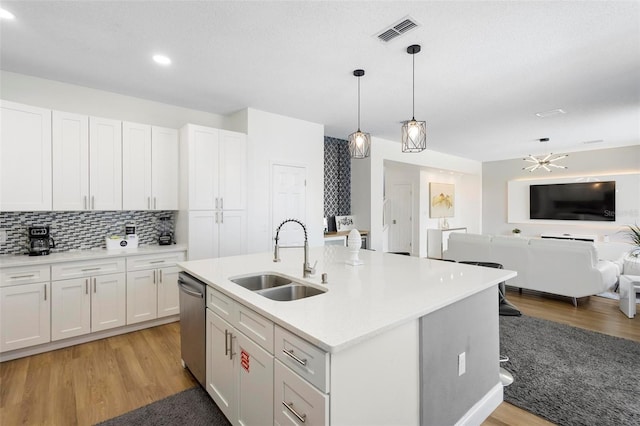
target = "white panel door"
x: 105, y: 164
x: 232, y: 232
x: 136, y: 166
x: 203, y: 234
x: 70, y: 161
x: 168, y: 292
x: 233, y: 171
x: 108, y: 302
x: 203, y: 167
x: 142, y: 295
x: 288, y: 202
x: 24, y: 316
x: 400, y: 234
x: 255, y: 382
x: 221, y: 376
x: 25, y: 157
x: 70, y: 308
x: 164, y: 168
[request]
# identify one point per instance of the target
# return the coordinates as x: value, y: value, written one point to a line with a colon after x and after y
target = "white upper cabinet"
x: 149, y: 167
x: 164, y: 168
x: 25, y: 157
x: 136, y: 166
x: 70, y: 161
x: 216, y: 163
x: 105, y: 164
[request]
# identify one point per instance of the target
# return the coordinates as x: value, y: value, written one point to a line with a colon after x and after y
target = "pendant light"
x: 544, y: 162
x: 414, y: 133
x: 359, y: 142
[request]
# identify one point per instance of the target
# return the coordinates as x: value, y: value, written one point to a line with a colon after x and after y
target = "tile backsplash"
x: 79, y: 230
x: 337, y: 178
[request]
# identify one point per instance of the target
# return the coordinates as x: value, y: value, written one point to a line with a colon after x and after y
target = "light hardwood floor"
x: 89, y: 383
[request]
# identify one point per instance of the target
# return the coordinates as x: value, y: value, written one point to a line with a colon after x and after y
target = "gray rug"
x: 571, y: 376
x: 190, y: 407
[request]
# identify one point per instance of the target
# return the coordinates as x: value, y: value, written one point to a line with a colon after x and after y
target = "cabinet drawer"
x: 88, y: 268
x: 296, y: 402
x: 255, y: 326
x: 24, y: 275
x: 220, y: 304
x: 151, y: 261
x: 302, y: 357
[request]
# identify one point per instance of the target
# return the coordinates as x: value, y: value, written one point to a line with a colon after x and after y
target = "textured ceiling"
x: 485, y: 69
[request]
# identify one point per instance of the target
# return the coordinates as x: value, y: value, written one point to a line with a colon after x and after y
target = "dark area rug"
x: 190, y: 407
x: 571, y: 376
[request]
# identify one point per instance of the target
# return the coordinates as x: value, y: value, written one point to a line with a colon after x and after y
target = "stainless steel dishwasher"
x: 193, y: 325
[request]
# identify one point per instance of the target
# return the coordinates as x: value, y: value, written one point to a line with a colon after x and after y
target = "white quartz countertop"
x: 361, y: 301
x: 11, y: 260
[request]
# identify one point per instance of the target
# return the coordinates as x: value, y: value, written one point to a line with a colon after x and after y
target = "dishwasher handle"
x: 187, y: 290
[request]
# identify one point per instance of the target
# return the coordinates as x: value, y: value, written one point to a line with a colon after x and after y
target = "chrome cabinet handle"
x: 221, y: 203
x: 95, y: 290
x: 216, y: 202
x: 160, y: 271
x: 157, y: 261
x: 90, y: 269
x: 86, y: 286
x: 216, y: 217
x: 14, y: 277
x: 45, y: 292
x: 155, y: 203
x: 295, y: 358
x: 154, y: 276
x: 93, y: 202
x: 226, y: 342
x: 84, y: 202
x: 302, y: 418
x: 221, y: 217
x: 149, y: 203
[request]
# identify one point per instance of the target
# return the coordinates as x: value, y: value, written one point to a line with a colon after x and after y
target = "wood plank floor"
x: 89, y: 383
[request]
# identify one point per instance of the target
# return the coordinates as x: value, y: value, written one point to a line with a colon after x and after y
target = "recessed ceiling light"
x: 550, y: 113
x: 5, y: 14
x: 162, y: 60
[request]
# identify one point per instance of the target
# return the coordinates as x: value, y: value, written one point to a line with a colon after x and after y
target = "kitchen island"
x: 401, y: 340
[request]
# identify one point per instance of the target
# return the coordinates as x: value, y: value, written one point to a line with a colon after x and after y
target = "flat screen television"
x: 593, y: 201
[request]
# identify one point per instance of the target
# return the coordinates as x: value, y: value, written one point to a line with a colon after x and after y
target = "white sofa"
x: 563, y: 267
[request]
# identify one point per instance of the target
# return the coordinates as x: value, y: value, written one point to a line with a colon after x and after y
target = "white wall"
x: 584, y: 164
x: 373, y: 181
x: 278, y: 139
x: 83, y: 100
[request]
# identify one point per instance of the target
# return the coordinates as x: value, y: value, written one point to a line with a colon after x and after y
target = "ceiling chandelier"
x: 359, y: 142
x: 544, y: 162
x: 414, y: 133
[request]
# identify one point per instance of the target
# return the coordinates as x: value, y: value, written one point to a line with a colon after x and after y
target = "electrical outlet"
x: 462, y: 363
x: 3, y: 235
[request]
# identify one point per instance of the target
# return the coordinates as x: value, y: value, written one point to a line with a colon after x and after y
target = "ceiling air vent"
x: 397, y: 29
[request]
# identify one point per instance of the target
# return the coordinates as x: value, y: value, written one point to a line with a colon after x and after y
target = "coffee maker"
x: 40, y: 241
x: 165, y: 233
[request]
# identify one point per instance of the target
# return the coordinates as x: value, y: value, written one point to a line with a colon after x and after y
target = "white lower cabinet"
x: 24, y: 316
x: 152, y: 287
x: 297, y: 402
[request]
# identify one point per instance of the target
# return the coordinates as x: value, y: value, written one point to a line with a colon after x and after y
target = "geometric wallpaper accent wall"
x: 81, y: 230
x: 337, y: 178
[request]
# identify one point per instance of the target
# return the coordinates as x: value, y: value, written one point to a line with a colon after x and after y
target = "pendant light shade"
x: 359, y: 142
x: 544, y: 162
x: 414, y: 133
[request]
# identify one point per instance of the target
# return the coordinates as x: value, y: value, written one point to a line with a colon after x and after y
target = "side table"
x: 629, y: 286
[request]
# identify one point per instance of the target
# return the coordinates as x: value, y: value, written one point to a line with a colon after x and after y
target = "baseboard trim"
x: 59, y: 344
x: 482, y: 409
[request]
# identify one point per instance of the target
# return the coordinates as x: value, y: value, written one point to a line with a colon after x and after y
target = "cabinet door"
x: 233, y: 171
x: 203, y: 234
x: 168, y: 293
x: 164, y: 168
x: 255, y: 381
x: 70, y: 161
x: 105, y: 164
x: 141, y: 295
x: 136, y: 167
x: 70, y: 308
x: 232, y: 233
x: 24, y: 316
x: 25, y: 158
x: 108, y: 302
x: 221, y: 377
x: 203, y: 167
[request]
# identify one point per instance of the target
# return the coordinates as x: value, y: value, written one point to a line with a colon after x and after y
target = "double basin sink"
x: 277, y: 287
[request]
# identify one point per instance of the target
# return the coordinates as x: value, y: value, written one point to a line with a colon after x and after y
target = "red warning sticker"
x: 244, y: 360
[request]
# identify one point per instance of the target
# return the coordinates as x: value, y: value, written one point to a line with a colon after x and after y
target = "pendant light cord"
x: 358, y: 103
x: 413, y: 111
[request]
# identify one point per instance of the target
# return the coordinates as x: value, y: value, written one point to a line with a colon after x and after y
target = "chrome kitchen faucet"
x: 307, y: 269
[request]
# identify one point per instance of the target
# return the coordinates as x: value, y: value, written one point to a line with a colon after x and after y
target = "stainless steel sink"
x: 262, y: 281
x: 277, y: 287
x: 290, y: 292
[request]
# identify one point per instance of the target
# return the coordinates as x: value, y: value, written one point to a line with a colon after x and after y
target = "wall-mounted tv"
x: 594, y: 201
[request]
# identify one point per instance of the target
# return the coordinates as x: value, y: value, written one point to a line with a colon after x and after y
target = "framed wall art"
x: 442, y: 199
